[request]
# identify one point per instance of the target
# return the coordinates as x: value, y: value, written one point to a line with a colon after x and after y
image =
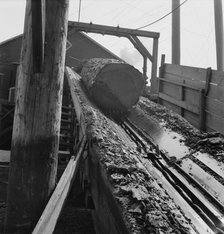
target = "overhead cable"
x: 163, y: 16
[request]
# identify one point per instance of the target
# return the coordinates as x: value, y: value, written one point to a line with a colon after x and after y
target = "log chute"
x: 114, y: 85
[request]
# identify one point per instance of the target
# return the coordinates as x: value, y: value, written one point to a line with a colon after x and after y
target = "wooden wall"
x: 195, y: 93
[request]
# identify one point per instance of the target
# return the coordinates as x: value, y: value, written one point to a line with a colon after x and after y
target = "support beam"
x: 175, y: 32
x: 37, y: 117
x: 154, y: 80
x: 114, y: 31
x: 219, y: 33
x: 145, y: 51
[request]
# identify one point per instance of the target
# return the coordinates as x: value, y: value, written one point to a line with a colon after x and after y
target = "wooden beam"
x: 50, y: 215
x: 114, y: 31
x: 143, y: 48
x: 154, y: 80
x: 179, y: 103
x: 180, y: 84
x: 35, y: 139
x: 176, y: 32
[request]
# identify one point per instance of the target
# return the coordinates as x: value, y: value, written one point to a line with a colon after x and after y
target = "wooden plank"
x: 196, y: 84
x: 73, y: 77
x: 109, y: 30
x: 179, y: 103
x: 214, y: 122
x: 186, y: 71
x: 217, y: 78
x: 192, y: 118
x: 170, y: 89
x: 216, y: 92
x: 49, y: 217
x: 215, y: 107
x: 181, y: 82
x: 170, y: 106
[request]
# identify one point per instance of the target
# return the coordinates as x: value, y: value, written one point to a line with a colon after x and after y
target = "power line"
x: 163, y: 16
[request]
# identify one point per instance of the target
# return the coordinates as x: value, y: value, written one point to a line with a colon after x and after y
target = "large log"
x: 113, y: 84
x: 37, y: 118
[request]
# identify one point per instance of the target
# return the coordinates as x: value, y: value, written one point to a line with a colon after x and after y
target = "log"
x: 35, y: 139
x: 113, y: 84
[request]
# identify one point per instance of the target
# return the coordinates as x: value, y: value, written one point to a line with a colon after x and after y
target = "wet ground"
x: 199, y: 154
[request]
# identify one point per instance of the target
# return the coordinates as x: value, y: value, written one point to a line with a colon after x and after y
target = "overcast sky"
x: 197, y: 26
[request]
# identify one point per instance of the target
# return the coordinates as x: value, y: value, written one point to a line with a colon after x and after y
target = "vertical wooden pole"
x: 154, y: 80
x: 175, y: 32
x: 161, y: 75
x: 36, y: 128
x: 202, y: 112
x: 219, y: 33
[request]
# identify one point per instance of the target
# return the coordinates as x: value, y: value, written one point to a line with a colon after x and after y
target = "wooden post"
x: 154, y: 82
x: 36, y: 127
x: 219, y: 33
x: 161, y: 75
x: 202, y: 116
x: 175, y: 32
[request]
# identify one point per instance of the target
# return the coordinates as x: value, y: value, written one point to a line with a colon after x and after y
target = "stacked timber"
x: 127, y: 198
x: 114, y: 85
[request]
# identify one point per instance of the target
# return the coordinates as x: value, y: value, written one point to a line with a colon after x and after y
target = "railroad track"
x: 210, y: 209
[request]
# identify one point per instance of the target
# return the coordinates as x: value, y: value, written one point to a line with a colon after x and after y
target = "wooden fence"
x: 197, y: 94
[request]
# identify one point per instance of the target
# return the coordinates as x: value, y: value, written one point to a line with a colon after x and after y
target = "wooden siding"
x: 195, y: 93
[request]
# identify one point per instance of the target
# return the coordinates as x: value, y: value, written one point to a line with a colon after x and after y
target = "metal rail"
x: 173, y: 173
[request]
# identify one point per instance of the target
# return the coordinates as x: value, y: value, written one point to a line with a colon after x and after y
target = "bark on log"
x: 37, y: 122
x: 113, y: 84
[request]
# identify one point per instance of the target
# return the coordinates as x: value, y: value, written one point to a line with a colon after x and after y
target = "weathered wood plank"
x: 170, y: 89
x: 186, y: 71
x: 215, y: 122
x: 192, y: 118
x: 49, y: 217
x: 216, y: 92
x: 179, y: 103
x: 195, y: 84
x: 217, y: 78
x: 171, y: 106
x: 215, y: 107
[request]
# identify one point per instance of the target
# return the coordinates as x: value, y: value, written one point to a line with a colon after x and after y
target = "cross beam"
x: 114, y: 31
x: 132, y: 35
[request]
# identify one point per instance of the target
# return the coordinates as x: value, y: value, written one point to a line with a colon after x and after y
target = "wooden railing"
x: 195, y: 93
x: 50, y: 215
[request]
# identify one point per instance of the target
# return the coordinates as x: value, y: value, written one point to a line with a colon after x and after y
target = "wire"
x: 162, y: 17
x: 79, y: 9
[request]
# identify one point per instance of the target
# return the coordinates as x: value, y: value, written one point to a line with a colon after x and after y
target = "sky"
x: 197, y: 26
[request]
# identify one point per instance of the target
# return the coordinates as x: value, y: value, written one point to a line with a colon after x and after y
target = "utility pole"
x: 176, y: 32
x: 35, y: 140
x: 219, y: 33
